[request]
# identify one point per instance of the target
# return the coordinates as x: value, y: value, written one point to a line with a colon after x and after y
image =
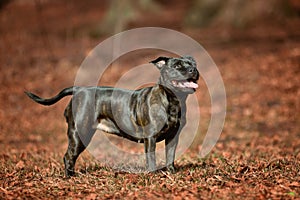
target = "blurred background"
x: 254, y: 43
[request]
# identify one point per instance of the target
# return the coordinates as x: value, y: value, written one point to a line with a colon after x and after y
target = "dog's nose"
x: 191, y: 69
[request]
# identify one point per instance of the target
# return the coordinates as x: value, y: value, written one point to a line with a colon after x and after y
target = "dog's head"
x: 178, y: 74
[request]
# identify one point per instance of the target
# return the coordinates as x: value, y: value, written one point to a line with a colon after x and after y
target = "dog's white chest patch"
x: 107, y: 126
x: 104, y: 127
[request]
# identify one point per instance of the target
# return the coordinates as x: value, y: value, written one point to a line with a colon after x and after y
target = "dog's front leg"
x: 170, y: 146
x: 150, y: 145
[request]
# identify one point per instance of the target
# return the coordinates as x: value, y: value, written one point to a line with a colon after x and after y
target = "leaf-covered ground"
x: 256, y: 157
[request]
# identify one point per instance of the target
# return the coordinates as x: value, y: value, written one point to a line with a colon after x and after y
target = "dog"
x: 147, y: 115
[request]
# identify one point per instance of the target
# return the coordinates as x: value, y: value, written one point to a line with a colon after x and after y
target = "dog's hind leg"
x: 79, y: 136
x: 77, y: 144
x: 75, y: 147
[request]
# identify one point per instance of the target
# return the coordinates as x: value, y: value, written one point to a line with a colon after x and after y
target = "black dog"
x: 147, y: 115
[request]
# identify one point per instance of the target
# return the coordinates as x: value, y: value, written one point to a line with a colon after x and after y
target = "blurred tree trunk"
x: 120, y: 13
x: 3, y: 3
x: 236, y: 12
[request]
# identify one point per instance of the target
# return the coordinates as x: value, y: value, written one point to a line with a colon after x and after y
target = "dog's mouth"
x: 189, y: 83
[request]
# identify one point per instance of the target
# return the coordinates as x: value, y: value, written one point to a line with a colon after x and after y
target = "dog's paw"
x: 171, y: 169
x: 69, y: 174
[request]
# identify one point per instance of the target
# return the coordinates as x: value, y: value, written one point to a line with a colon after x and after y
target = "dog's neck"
x: 176, y: 98
x: 181, y: 96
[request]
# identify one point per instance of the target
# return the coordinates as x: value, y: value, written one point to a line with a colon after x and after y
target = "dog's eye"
x: 177, y: 66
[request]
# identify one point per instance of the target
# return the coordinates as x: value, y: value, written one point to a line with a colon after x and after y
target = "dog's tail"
x: 53, y: 100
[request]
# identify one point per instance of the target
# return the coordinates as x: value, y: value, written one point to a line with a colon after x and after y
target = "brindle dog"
x: 148, y: 115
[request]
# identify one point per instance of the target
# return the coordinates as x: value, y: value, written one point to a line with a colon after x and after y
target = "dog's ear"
x: 160, y: 62
x: 190, y: 58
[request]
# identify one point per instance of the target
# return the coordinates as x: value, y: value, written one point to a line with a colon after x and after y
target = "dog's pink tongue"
x: 191, y: 85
